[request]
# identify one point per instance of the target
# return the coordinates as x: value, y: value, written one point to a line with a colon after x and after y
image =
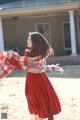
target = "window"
x: 79, y: 32
x: 44, y: 29
x: 67, y: 38
x: 79, y: 26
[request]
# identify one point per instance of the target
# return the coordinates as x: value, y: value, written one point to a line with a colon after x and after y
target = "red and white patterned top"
x: 34, y: 64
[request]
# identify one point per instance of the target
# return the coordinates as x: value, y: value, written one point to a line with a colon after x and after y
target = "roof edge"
x: 40, y: 10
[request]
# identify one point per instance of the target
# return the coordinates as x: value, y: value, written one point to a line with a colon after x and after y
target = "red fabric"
x: 15, y: 63
x: 27, y: 62
x: 41, y: 96
x: 5, y: 69
x: 7, y: 65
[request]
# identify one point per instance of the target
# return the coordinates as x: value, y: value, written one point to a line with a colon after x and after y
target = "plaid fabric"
x: 30, y: 64
x: 5, y: 69
x: 54, y: 68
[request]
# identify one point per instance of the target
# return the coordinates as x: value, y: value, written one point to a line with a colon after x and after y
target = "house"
x: 57, y: 20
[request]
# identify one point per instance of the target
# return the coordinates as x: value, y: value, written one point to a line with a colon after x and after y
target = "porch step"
x: 64, y: 60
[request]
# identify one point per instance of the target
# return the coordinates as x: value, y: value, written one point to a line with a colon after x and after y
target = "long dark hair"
x: 40, y: 45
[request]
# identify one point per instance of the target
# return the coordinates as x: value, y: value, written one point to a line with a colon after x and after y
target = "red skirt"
x: 41, y: 96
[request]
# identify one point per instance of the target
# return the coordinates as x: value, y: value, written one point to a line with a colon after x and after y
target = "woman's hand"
x: 57, y: 68
x: 10, y: 53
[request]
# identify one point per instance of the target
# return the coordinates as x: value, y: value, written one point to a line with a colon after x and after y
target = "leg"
x: 35, y: 117
x: 51, y: 117
x: 39, y: 118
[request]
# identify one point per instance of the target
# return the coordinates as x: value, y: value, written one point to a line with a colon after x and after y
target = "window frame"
x: 79, y: 30
x: 65, y: 48
x: 49, y: 29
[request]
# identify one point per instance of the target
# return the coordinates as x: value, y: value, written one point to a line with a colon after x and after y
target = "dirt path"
x: 67, y: 86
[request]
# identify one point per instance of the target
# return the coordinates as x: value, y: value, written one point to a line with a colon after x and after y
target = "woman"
x: 42, y: 99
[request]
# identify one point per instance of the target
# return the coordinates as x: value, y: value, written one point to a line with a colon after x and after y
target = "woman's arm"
x: 54, y: 68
